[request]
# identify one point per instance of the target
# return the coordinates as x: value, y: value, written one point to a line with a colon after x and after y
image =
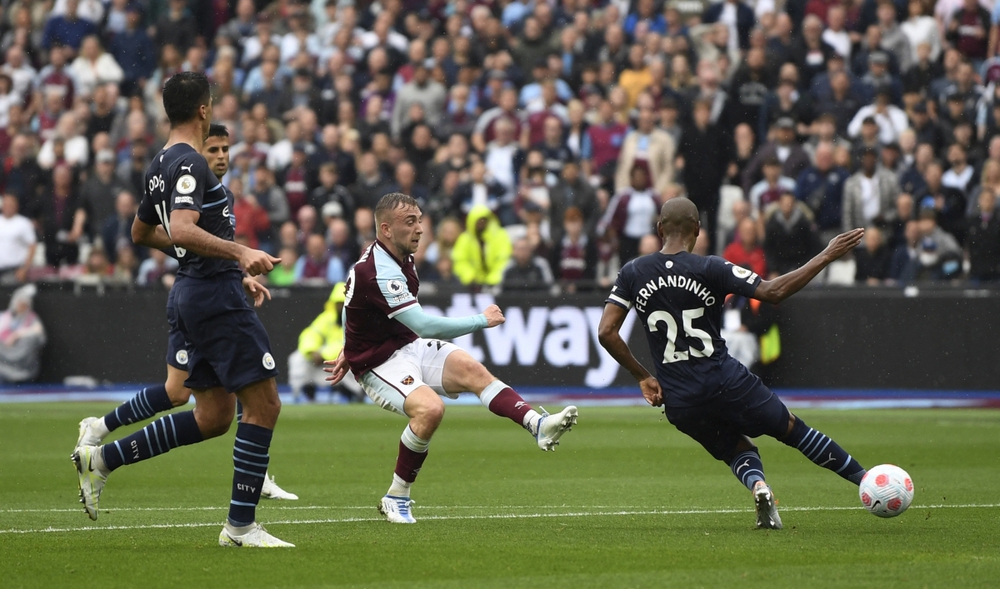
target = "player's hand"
x: 494, y: 316
x: 650, y: 388
x: 256, y: 262
x: 844, y: 243
x: 337, y: 369
x: 256, y: 291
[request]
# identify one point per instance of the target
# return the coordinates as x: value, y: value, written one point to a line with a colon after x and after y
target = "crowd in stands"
x: 539, y: 136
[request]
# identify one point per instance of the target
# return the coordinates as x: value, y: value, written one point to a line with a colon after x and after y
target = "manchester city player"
x: 705, y: 392
x: 185, y: 207
x: 172, y: 393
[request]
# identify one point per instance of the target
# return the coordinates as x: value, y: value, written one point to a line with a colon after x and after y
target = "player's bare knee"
x: 213, y: 419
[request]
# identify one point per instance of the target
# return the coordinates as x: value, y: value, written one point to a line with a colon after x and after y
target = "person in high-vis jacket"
x: 322, y: 340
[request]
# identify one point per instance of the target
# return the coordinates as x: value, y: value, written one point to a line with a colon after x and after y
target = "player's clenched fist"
x: 494, y: 316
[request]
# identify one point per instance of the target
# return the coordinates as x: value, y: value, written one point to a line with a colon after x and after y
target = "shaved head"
x: 679, y: 219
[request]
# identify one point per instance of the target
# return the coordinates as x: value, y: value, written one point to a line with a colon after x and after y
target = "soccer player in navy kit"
x: 173, y: 393
x: 392, y: 347
x: 706, y: 393
x: 185, y: 207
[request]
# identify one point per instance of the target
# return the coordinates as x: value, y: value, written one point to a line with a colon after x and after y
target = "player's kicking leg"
x: 261, y: 407
x: 211, y: 417
x: 462, y: 373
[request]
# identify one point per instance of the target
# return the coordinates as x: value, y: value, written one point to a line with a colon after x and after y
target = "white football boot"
x: 766, y: 508
x: 270, y: 490
x: 396, y: 509
x: 89, y: 436
x: 92, y: 478
x: 254, y: 536
x: 552, y: 427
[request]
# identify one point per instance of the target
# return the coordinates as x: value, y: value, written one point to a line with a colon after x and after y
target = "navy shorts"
x: 744, y: 406
x: 177, y: 346
x: 227, y: 344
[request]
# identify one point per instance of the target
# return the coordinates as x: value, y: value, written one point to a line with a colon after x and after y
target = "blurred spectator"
x: 533, y: 200
x: 870, y: 194
x: 406, y: 183
x: 479, y: 190
x: 648, y: 147
x: 574, y: 254
x: 271, y: 198
x: 982, y: 241
x: 603, y: 142
x: 22, y: 337
x: 821, y: 186
x: 17, y: 242
x: 482, y: 251
x: 526, y: 271
x: 322, y: 340
x: 873, y: 259
x: 630, y: 215
x: 572, y: 190
x: 158, y: 271
x: 764, y: 194
x: 371, y: 184
x: 940, y: 255
x: 424, y: 91
x: 134, y: 51
x: 784, y: 148
x: 705, y: 154
x: 94, y: 67
x: 331, y: 191
x: 969, y: 30
x: 68, y: 29
x: 317, y: 266
x: 891, y: 119
x: 62, y: 219
x: 906, y: 258
x: 947, y: 202
x: 745, y: 251
x: 746, y: 326
x: 790, y: 238
x: 67, y: 146
x: 176, y: 26
x: 116, y: 228
x: 99, y: 193
x: 921, y: 29
x: 252, y: 221
x: 284, y: 273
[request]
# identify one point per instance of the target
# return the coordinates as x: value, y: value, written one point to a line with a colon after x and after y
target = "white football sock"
x: 399, y: 487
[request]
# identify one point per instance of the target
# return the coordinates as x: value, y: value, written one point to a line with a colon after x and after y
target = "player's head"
x: 679, y: 220
x: 216, y: 150
x: 187, y: 97
x: 397, y: 222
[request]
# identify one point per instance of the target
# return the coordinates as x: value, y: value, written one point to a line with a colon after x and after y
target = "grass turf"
x: 626, y: 501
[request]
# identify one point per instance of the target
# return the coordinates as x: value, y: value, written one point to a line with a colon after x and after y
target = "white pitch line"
x: 51, y: 530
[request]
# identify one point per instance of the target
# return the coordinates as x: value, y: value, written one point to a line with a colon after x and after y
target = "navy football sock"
x: 149, y: 402
x: 823, y: 451
x: 239, y: 411
x: 159, y: 437
x: 748, y: 468
x: 250, y: 460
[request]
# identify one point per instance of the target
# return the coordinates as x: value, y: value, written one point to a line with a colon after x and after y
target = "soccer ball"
x: 886, y: 490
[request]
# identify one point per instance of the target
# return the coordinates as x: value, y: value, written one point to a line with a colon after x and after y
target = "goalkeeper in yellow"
x: 322, y: 340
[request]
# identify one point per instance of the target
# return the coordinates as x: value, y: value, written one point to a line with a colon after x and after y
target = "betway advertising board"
x: 542, y: 343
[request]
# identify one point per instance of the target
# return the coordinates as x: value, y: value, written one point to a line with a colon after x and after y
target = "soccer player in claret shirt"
x: 173, y: 393
x: 391, y: 348
x: 706, y: 393
x: 185, y: 207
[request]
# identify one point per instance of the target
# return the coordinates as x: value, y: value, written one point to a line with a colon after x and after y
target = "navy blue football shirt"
x: 679, y: 299
x: 179, y: 178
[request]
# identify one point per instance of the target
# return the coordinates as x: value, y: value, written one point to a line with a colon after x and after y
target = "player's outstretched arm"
x: 153, y: 236
x: 429, y: 326
x: 611, y: 340
x: 782, y: 287
x: 185, y: 233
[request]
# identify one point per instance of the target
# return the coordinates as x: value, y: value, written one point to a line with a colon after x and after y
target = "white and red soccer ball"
x: 886, y: 490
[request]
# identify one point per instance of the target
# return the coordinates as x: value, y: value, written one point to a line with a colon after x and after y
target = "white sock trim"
x: 491, y: 391
x: 399, y: 487
x: 411, y: 441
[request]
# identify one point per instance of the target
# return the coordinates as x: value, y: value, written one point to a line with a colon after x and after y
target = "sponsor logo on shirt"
x: 186, y: 184
x: 407, y: 381
x: 183, y: 200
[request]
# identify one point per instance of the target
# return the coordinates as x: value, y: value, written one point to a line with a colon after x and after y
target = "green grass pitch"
x: 626, y: 501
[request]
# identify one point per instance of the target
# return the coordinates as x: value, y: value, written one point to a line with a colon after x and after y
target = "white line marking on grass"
x: 51, y: 530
